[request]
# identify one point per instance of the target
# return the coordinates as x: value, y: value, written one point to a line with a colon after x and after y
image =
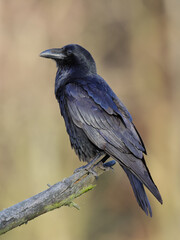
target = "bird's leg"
x: 89, y: 165
x: 105, y: 164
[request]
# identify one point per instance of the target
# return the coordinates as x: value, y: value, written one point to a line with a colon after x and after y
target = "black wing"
x: 108, y: 125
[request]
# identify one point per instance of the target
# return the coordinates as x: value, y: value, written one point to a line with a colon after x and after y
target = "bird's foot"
x: 91, y: 165
x: 103, y: 166
x: 106, y: 166
x: 89, y: 168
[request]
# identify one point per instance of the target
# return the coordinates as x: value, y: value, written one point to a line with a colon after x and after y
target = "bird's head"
x: 72, y: 56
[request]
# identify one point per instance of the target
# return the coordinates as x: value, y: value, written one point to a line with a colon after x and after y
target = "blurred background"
x: 137, y: 51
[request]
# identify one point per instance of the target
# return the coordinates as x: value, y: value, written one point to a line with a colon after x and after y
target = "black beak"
x: 54, y: 53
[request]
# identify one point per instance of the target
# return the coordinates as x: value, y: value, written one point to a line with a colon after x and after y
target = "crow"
x: 98, y: 123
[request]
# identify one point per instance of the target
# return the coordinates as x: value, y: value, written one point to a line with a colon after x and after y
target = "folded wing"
x: 108, y: 125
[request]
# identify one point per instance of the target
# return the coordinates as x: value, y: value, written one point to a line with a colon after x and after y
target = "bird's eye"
x: 69, y: 52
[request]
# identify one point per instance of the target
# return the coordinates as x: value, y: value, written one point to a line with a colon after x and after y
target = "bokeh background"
x: 137, y: 51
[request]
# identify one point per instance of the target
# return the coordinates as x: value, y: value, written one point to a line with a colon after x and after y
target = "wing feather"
x: 86, y: 111
x: 108, y: 132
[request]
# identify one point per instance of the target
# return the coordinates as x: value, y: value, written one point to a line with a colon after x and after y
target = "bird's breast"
x: 83, y: 147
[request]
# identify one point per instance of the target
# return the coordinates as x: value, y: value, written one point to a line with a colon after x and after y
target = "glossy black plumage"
x: 97, y: 121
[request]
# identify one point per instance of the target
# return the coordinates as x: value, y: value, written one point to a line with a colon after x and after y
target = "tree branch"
x: 60, y: 194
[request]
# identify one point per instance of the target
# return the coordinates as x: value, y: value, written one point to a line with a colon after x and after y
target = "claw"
x: 89, y: 165
x: 80, y: 169
x: 88, y: 169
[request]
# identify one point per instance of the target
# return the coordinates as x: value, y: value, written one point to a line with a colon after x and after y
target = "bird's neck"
x: 66, y: 75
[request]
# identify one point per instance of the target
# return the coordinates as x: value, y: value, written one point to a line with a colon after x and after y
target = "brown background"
x: 136, y: 47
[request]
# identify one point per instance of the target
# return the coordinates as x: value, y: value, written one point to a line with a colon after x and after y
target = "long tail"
x: 137, y: 167
x: 139, y: 192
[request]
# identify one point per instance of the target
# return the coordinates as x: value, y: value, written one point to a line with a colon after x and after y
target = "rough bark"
x: 60, y: 194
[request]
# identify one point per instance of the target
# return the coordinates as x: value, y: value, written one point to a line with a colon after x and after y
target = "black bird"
x: 96, y: 120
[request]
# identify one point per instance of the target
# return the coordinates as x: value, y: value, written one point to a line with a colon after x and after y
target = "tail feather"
x: 139, y: 192
x: 137, y: 167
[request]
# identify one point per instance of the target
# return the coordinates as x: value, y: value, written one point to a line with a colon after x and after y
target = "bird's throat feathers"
x: 65, y: 74
x: 62, y: 77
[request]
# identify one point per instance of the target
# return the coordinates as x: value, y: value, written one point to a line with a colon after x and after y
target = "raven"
x: 96, y: 120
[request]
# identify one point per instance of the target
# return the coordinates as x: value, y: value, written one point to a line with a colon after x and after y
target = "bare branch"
x: 60, y: 194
